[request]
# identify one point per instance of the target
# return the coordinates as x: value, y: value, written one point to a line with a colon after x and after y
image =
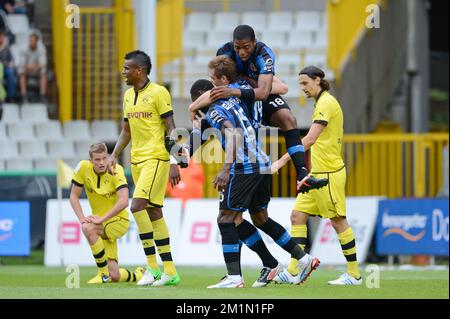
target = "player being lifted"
x: 244, y: 182
x: 325, y: 140
x: 108, y: 199
x: 255, y: 62
x: 147, y: 115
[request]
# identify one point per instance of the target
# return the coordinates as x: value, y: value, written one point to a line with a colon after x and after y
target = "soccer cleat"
x: 306, y: 268
x: 100, y: 279
x: 267, y: 276
x: 167, y: 280
x: 346, y: 279
x: 285, y: 277
x: 149, y: 277
x: 310, y: 182
x: 229, y: 282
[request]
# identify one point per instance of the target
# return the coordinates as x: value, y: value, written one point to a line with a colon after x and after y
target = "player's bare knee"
x: 88, y: 229
x: 226, y: 217
x: 285, y: 119
x: 339, y: 224
x: 155, y: 213
x: 137, y: 205
x: 259, y: 218
x: 298, y: 218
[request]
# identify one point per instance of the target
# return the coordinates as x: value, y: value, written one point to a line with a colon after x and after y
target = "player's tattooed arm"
x: 122, y: 142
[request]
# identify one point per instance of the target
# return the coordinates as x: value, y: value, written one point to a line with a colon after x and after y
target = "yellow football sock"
x: 347, y: 241
x: 98, y: 250
x: 162, y: 241
x: 128, y: 276
x: 146, y: 235
x: 299, y: 235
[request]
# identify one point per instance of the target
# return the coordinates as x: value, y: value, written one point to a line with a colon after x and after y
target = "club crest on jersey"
x: 253, y: 67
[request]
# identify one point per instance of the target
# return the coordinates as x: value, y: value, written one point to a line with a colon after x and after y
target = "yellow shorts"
x: 150, y: 180
x: 113, y: 229
x: 327, y: 202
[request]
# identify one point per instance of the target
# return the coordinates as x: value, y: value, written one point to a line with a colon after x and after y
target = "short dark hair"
x: 244, y: 32
x: 199, y: 87
x: 141, y: 58
x: 314, y: 72
x: 224, y: 65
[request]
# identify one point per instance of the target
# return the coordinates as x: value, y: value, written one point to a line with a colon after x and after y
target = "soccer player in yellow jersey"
x: 325, y: 140
x: 108, y: 199
x: 147, y: 115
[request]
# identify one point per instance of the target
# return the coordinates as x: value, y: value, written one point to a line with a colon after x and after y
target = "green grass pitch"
x: 31, y: 281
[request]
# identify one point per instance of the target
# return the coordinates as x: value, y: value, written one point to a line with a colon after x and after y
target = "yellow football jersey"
x: 101, y: 189
x: 144, y: 110
x: 326, y: 152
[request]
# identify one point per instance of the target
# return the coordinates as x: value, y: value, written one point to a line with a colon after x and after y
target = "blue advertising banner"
x: 14, y: 229
x: 412, y: 227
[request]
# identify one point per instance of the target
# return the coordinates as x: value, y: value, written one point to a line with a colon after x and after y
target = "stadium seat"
x: 308, y: 20
x: 289, y: 58
x: 45, y: 163
x: 199, y: 21
x: 19, y: 164
x: 10, y: 113
x: 82, y: 148
x: 320, y: 39
x: 77, y: 130
x: 193, y: 39
x: 104, y: 131
x: 20, y: 132
x: 18, y: 23
x: 49, y: 131
x: 73, y: 161
x: 3, y: 136
x: 226, y: 21
x: 294, y: 87
x: 282, y: 68
x: 33, y: 149
x: 60, y: 149
x: 8, y: 149
x: 215, y: 39
x: 319, y: 60
x: 280, y: 21
x: 257, y: 20
x: 34, y: 113
x: 298, y: 39
x: 274, y: 39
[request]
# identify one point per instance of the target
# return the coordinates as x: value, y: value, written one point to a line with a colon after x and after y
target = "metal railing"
x: 391, y: 165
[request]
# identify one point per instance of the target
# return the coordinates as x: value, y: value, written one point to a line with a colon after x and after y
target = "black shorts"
x: 273, y: 104
x: 247, y: 192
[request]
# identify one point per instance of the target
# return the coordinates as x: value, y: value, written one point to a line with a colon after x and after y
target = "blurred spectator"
x: 7, y: 60
x: 33, y: 67
x: 11, y: 6
x: 191, y: 184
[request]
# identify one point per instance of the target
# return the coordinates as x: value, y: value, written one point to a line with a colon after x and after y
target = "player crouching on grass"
x: 108, y: 199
